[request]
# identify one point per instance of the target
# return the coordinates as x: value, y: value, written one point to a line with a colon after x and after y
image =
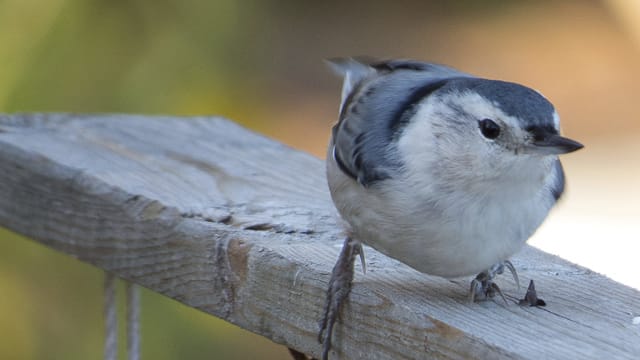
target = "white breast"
x: 455, y: 235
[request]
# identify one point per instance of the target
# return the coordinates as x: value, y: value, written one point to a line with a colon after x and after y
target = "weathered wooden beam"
x: 242, y: 227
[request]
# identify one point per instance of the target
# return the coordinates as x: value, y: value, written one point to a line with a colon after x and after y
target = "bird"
x: 446, y: 172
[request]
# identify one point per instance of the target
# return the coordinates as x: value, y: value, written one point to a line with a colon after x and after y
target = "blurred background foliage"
x: 259, y: 63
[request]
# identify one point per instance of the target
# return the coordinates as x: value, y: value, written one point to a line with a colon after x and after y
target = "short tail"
x: 354, y: 70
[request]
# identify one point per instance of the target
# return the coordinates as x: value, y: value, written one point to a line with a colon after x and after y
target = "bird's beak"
x: 553, y: 144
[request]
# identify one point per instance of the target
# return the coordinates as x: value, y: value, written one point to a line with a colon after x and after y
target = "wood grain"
x: 241, y: 227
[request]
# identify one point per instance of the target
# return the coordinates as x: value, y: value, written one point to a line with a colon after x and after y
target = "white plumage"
x: 443, y: 171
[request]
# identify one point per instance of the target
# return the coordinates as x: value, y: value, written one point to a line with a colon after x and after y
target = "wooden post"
x: 241, y: 227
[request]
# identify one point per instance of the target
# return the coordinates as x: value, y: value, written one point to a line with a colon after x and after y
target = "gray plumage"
x: 443, y: 171
x: 386, y: 96
x: 368, y: 124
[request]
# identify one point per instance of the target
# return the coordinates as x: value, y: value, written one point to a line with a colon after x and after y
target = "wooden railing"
x: 242, y: 227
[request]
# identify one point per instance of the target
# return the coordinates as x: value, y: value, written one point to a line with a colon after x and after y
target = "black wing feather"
x: 378, y: 108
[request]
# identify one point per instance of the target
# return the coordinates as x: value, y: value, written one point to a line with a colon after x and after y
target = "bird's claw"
x: 339, y: 288
x: 509, y: 265
x: 483, y: 287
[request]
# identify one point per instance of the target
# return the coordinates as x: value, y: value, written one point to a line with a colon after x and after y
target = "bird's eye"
x: 489, y: 128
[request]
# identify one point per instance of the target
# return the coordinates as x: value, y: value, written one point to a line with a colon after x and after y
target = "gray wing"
x: 557, y: 188
x: 378, y: 100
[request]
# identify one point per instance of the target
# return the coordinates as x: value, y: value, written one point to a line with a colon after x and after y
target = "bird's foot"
x: 339, y: 288
x: 483, y: 287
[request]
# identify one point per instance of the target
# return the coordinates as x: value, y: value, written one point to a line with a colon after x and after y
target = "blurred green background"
x: 259, y: 63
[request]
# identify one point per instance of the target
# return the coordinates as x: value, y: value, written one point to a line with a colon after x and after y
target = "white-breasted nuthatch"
x: 443, y: 171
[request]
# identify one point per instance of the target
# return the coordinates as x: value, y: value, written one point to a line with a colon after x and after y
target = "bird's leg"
x: 483, y: 287
x: 339, y: 288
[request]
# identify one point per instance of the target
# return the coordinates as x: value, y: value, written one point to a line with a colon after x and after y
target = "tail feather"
x: 353, y: 70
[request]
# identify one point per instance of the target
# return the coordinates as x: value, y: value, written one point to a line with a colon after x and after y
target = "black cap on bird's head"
x: 533, y: 112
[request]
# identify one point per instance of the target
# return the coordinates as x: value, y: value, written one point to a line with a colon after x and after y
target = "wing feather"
x: 378, y: 99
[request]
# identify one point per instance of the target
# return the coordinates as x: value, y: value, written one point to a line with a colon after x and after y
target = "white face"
x: 446, y: 143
